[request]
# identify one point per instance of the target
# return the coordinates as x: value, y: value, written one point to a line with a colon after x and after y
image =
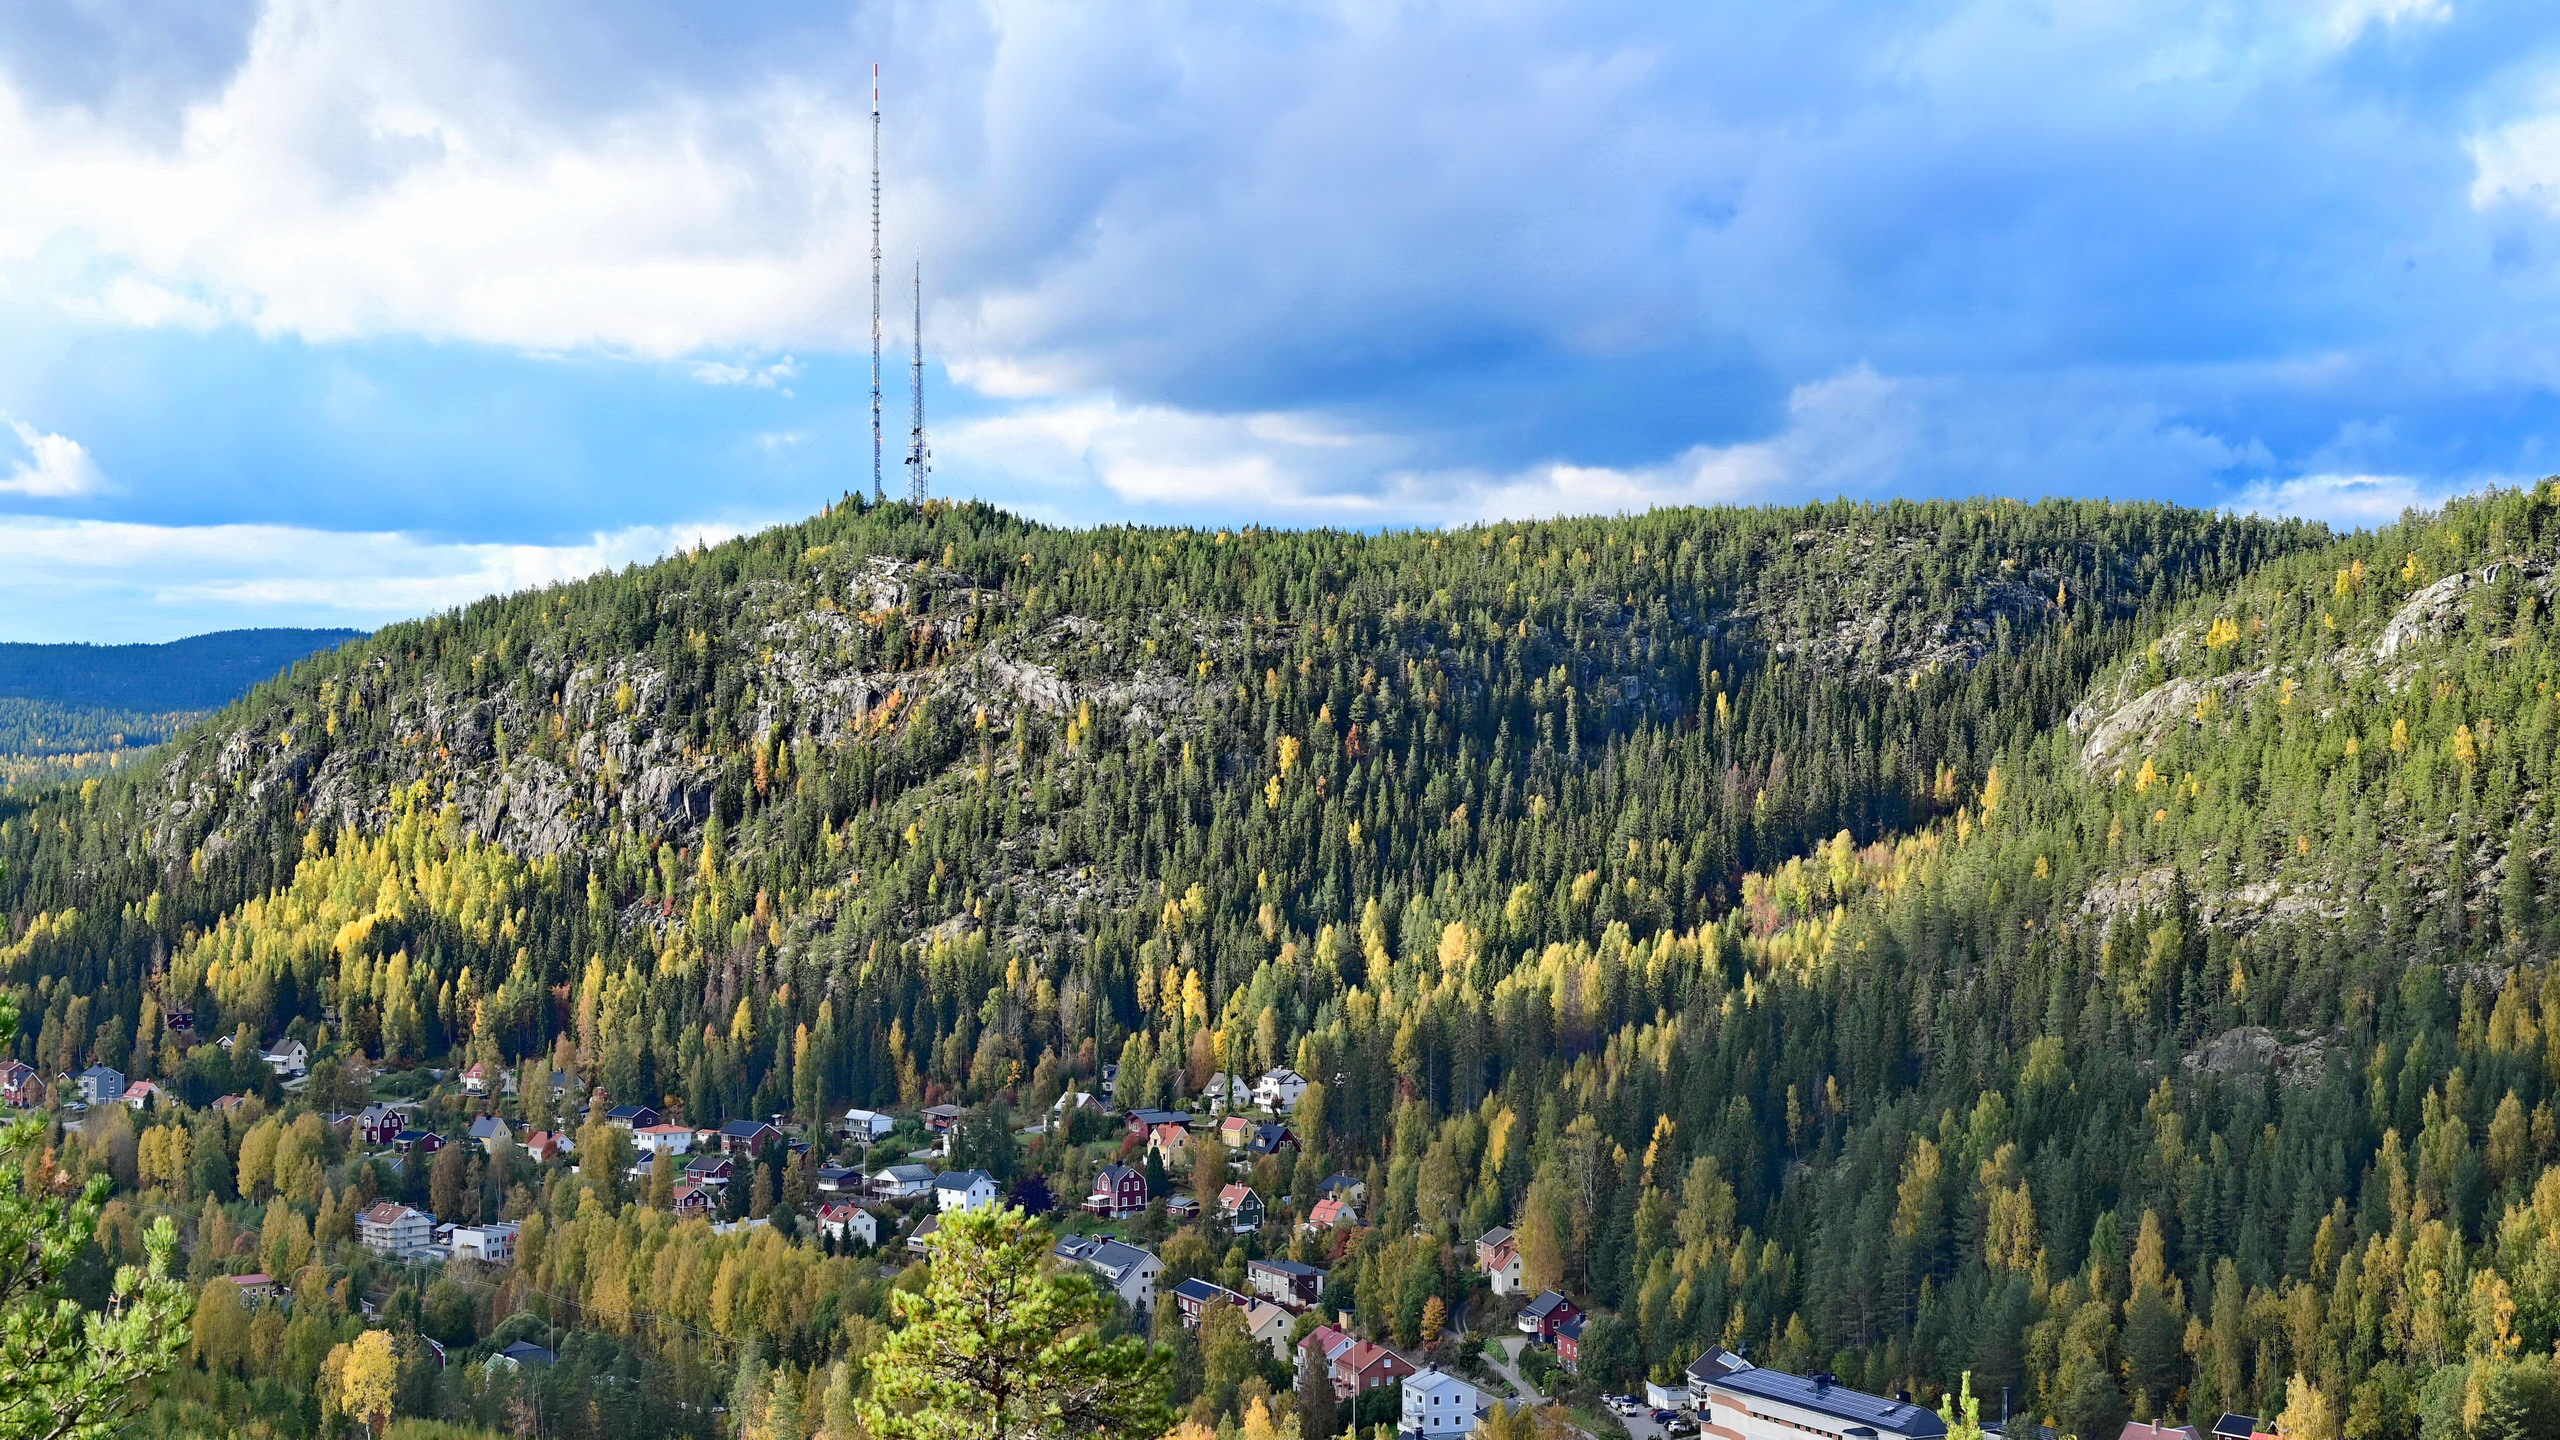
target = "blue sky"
x: 330, y: 314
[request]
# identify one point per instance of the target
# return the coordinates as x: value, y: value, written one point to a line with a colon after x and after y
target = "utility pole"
x: 919, y: 459
x: 878, y: 492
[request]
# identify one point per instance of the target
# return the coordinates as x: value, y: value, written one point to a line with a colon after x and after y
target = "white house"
x: 288, y: 1057
x: 392, y: 1229
x: 902, y: 1182
x: 1125, y: 1270
x: 663, y: 1139
x: 1278, y: 1090
x: 1437, y: 1403
x: 846, y: 1219
x: 964, y: 1190
x: 868, y: 1125
x: 493, y: 1243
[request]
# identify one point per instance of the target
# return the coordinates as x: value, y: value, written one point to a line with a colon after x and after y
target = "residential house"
x: 634, y: 1118
x: 964, y: 1190
x: 746, y: 1137
x: 2143, y: 1430
x: 1756, y: 1404
x: 710, y: 1169
x: 942, y: 1119
x: 1367, y: 1366
x: 1270, y: 1138
x: 1195, y: 1295
x: 663, y: 1139
x: 288, y: 1057
x: 487, y: 1131
x: 1110, y: 1081
x: 257, y: 1288
x: 1171, y: 1144
x: 1438, y: 1404
x: 1285, y: 1282
x: 693, y: 1197
x: 1278, y: 1091
x: 495, y: 1244
x: 2240, y: 1427
x: 417, y: 1142
x: 543, y: 1146
x: 380, y: 1123
x: 1569, y: 1342
x: 1181, y: 1209
x: 18, y: 1083
x: 1125, y: 1270
x: 1117, y: 1191
x: 1144, y: 1122
x: 100, y: 1084
x: 1544, y: 1314
x: 522, y: 1355
x: 843, y: 1181
x: 1711, y: 1366
x: 1321, y: 1346
x: 843, y: 1219
x: 1225, y: 1092
x: 1269, y: 1325
x: 1340, y: 1185
x: 902, y: 1182
x: 1330, y: 1214
x: 1234, y: 1131
x: 143, y: 1094
x: 476, y: 1079
x: 1498, y: 1256
x: 925, y: 1230
x: 1241, y: 1208
x: 390, y: 1228
x: 868, y: 1126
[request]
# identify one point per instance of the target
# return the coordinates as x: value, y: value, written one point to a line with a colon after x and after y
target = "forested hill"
x: 200, y: 672
x: 2098, y: 947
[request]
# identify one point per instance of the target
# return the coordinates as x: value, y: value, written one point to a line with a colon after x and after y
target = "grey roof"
x: 1498, y: 1235
x: 1201, y: 1290
x: 525, y: 1352
x: 744, y: 1128
x: 486, y: 1126
x: 1717, y: 1361
x: 1887, y: 1417
x: 2235, y: 1424
x: 907, y: 1172
x: 1289, y: 1267
x: 961, y: 1179
x: 1111, y: 1257
x: 1547, y: 1303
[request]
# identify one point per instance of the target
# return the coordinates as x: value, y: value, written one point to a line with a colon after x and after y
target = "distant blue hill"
x: 201, y: 672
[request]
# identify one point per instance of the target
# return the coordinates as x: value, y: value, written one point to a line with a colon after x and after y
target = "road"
x: 1639, y: 1425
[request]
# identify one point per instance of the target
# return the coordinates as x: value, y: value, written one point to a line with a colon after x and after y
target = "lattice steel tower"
x: 878, y: 491
x: 919, y: 458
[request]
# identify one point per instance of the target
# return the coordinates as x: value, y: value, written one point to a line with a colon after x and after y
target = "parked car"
x: 1665, y: 1417
x: 1682, y: 1423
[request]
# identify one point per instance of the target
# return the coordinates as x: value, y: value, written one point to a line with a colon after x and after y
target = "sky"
x: 334, y: 314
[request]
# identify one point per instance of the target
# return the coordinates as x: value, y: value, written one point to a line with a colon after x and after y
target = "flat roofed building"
x: 1756, y: 1404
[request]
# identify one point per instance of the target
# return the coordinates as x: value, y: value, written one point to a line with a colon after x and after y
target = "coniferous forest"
x: 2105, y: 950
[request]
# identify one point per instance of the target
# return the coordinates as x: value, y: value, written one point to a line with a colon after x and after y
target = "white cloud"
x: 2348, y: 502
x: 55, y: 467
x: 57, y: 577
x: 765, y: 377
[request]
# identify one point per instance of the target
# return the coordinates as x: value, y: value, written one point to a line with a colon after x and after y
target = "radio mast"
x: 919, y: 459
x: 878, y: 492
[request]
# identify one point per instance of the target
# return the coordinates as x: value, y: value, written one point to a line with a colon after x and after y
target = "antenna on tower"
x: 919, y: 459
x: 878, y: 492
